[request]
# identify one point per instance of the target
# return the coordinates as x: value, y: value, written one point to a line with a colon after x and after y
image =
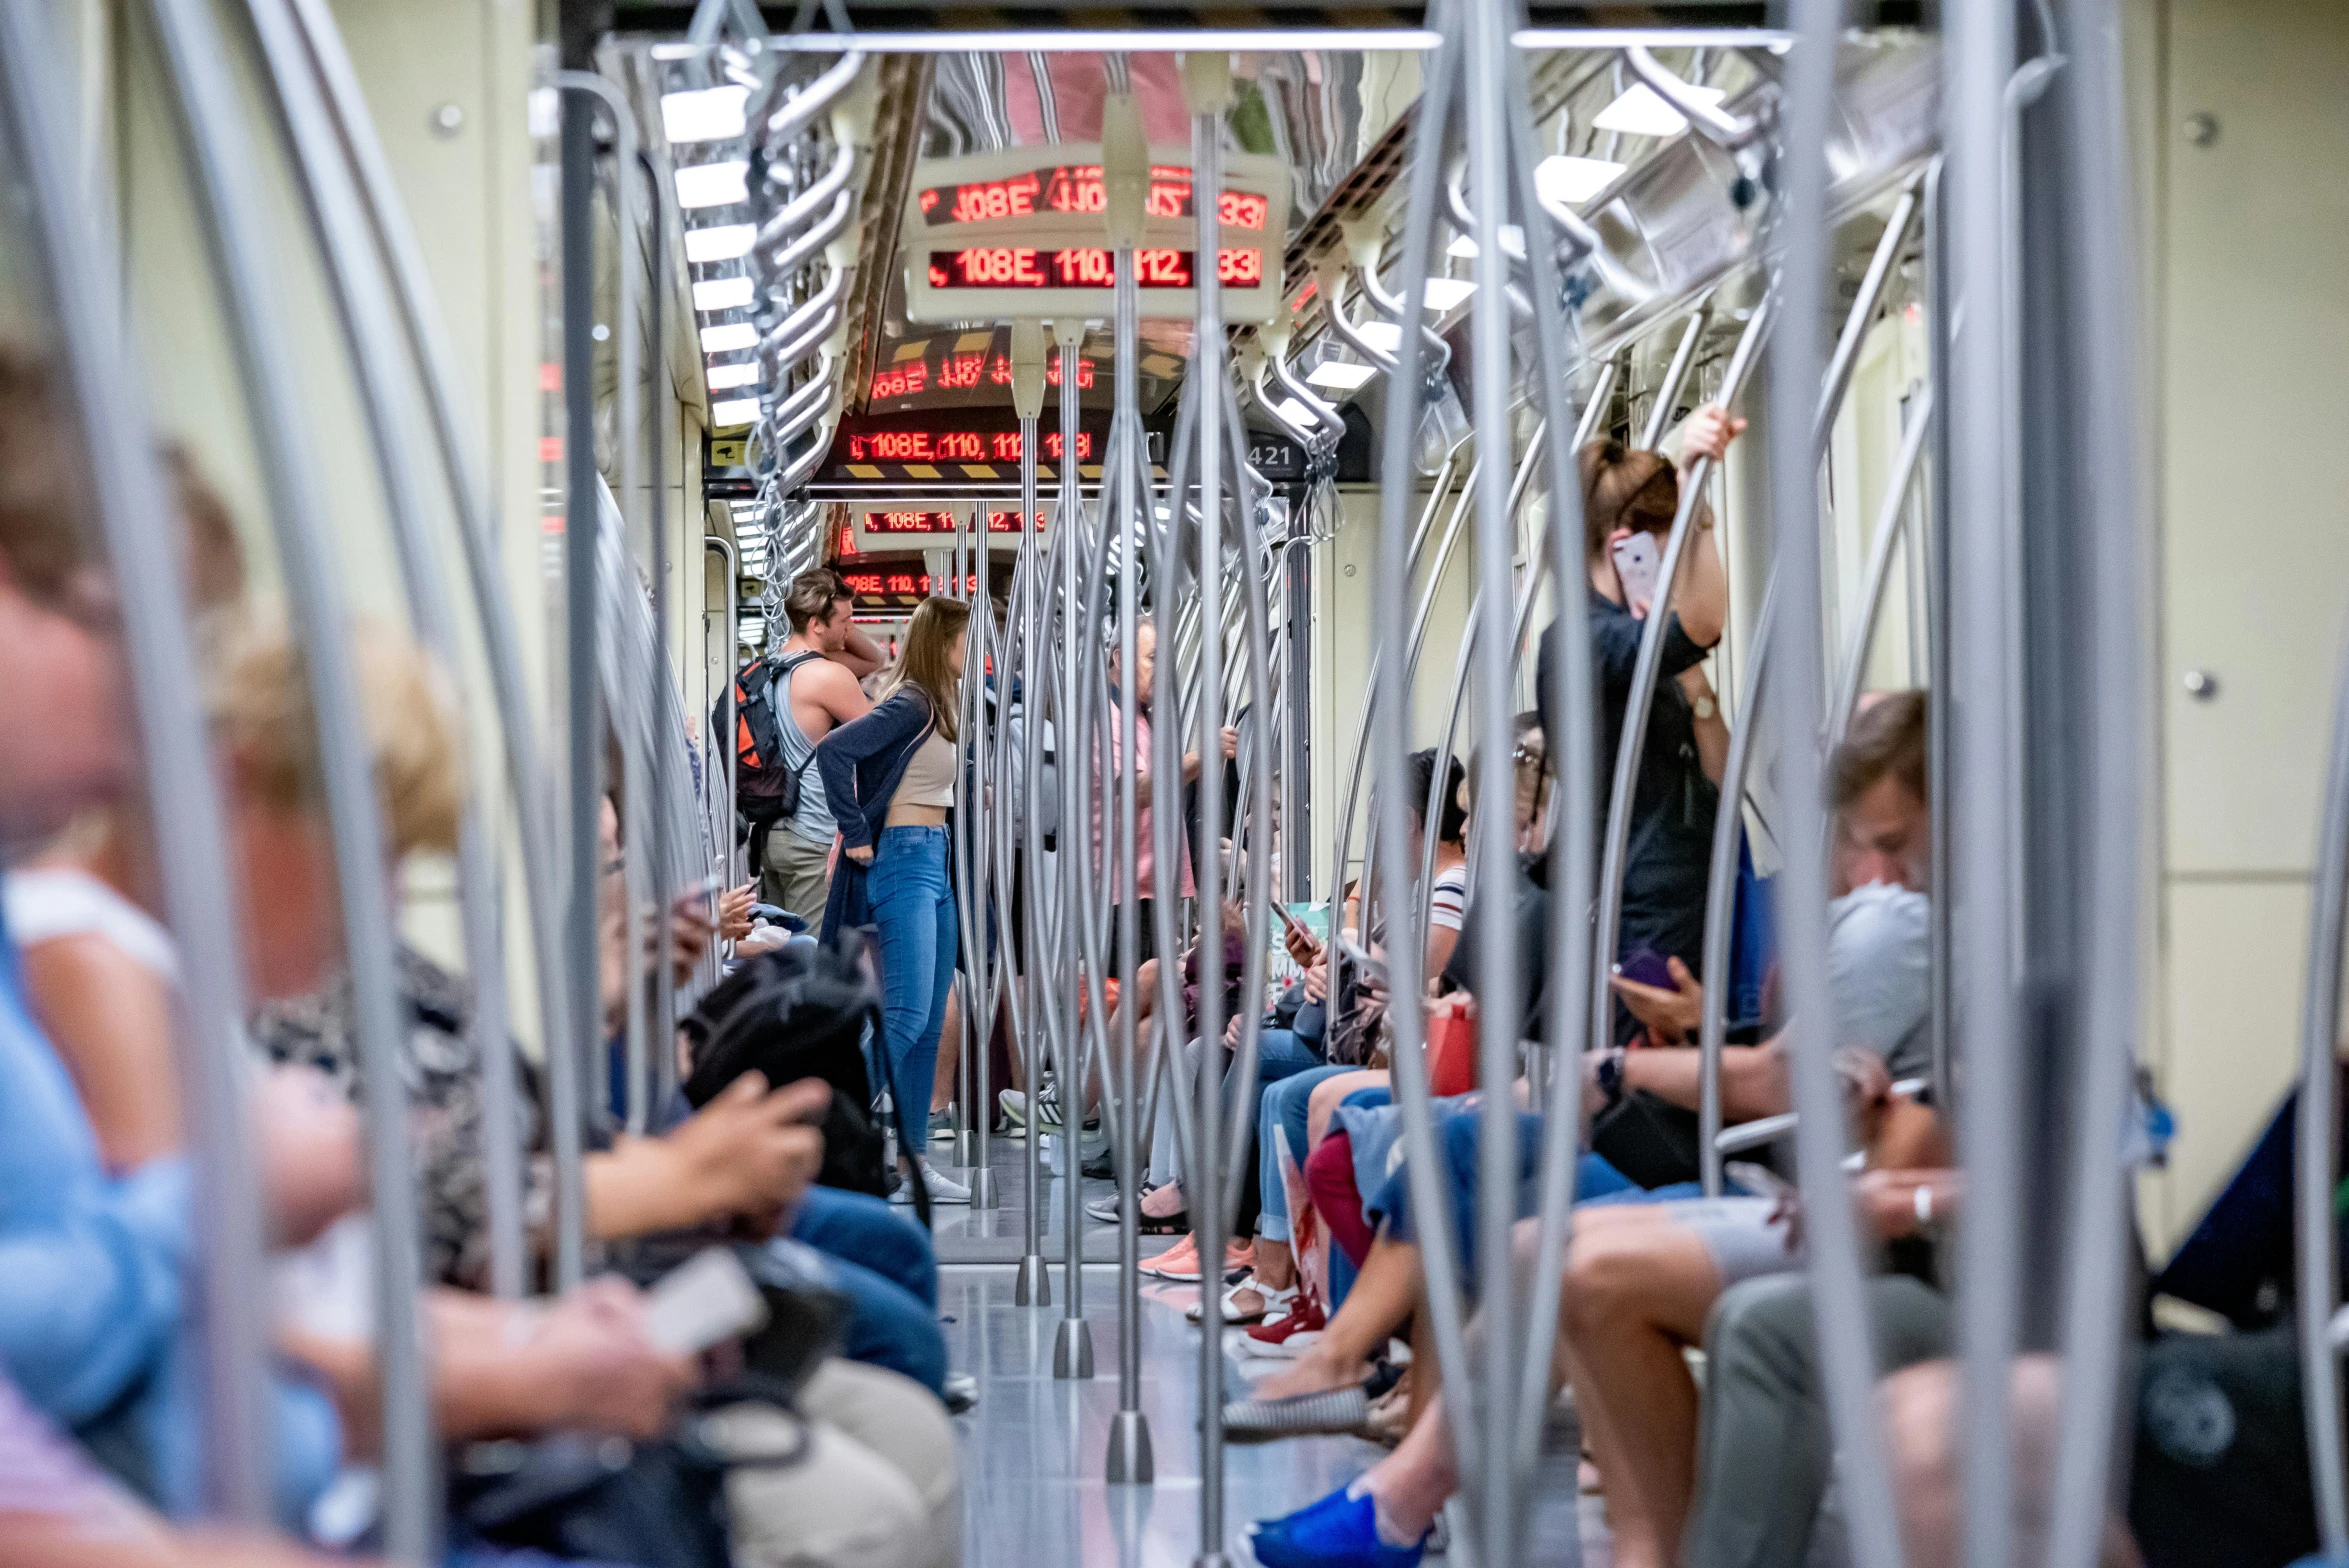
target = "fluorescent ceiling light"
x: 1338, y: 374
x: 1444, y: 293
x: 721, y: 294
x: 734, y: 411
x: 712, y: 185
x: 1574, y: 180
x: 1643, y: 112
x: 728, y: 336
x: 1512, y: 244
x: 723, y: 243
x: 714, y: 114
x: 1384, y: 335
x: 745, y: 374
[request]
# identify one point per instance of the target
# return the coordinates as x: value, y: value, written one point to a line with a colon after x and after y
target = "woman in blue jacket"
x: 891, y: 779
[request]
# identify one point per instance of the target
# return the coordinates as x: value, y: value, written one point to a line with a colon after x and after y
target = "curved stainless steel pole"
x: 1643, y: 689
x: 1891, y: 528
x: 2096, y: 1298
x: 1072, y: 1345
x: 1033, y: 1287
x: 1499, y: 986
x: 1676, y: 375
x: 364, y: 309
x: 529, y: 786
x: 721, y: 749
x: 1573, y: 837
x: 1847, y: 1347
x: 1209, y: 84
x: 134, y: 511
x: 223, y: 167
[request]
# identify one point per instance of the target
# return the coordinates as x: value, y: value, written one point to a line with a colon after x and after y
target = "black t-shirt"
x: 1672, y: 802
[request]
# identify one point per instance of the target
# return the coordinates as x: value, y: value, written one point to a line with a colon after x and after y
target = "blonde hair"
x: 924, y: 662
x: 262, y: 717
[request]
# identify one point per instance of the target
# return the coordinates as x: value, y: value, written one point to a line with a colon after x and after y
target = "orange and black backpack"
x: 765, y: 790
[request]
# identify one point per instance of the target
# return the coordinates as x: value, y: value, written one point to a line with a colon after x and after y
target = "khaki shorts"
x: 797, y: 876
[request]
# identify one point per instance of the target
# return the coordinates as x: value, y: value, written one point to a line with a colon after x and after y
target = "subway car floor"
x: 1034, y: 1445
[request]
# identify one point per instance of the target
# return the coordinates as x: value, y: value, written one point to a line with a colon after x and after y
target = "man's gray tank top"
x: 813, y: 821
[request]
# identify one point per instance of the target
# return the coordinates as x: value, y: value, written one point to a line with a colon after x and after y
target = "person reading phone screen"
x: 1629, y: 500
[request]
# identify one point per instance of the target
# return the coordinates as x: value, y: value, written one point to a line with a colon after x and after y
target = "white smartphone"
x: 1637, y: 567
x: 703, y: 1301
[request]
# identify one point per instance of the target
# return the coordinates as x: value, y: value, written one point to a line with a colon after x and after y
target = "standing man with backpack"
x: 787, y: 702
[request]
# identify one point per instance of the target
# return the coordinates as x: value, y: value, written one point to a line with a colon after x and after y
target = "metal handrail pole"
x: 722, y: 751
x: 529, y: 784
x: 1676, y: 375
x: 223, y: 167
x: 1439, y: 1247
x: 1072, y: 1350
x: 2096, y: 1297
x: 1644, y: 676
x: 133, y: 510
x: 1891, y: 528
x: 364, y: 313
x: 1847, y: 1347
x: 1208, y: 84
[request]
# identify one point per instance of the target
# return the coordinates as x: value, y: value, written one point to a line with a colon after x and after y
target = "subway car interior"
x: 645, y: 646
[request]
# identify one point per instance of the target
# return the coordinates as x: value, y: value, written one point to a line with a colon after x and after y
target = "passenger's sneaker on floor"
x: 942, y: 1125
x: 1289, y: 1335
x: 1102, y: 1166
x: 1340, y: 1531
x: 1255, y: 1420
x: 1014, y: 1103
x: 961, y: 1392
x: 1179, y: 1262
x: 1103, y: 1209
x: 943, y: 1188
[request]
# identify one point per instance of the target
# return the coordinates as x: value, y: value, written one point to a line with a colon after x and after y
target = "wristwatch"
x: 1609, y: 1076
x: 1704, y: 707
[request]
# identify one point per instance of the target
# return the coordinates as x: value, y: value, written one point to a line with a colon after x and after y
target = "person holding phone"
x: 891, y: 778
x: 1629, y: 499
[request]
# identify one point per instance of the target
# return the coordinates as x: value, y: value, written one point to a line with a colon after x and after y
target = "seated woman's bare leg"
x: 1636, y: 1292
x: 1331, y: 1093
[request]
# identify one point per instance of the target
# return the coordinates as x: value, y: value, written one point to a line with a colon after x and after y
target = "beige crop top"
x: 929, y: 776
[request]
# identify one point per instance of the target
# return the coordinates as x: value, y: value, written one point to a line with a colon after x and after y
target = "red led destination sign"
x: 966, y: 373
x: 908, y: 521
x: 902, y: 585
x: 1077, y: 188
x: 948, y: 444
x: 1082, y: 267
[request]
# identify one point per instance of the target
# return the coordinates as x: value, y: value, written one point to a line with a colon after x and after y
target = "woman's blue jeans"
x: 913, y: 905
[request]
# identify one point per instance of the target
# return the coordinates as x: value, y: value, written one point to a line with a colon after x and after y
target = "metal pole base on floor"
x: 1034, y: 1285
x: 1072, y: 1349
x: 982, y: 1180
x: 966, y: 1141
x: 1129, y: 1450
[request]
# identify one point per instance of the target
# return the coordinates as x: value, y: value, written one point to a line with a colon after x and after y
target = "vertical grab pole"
x: 1978, y: 55
x: 1500, y: 995
x: 636, y: 818
x: 1643, y: 689
x: 1072, y: 1344
x: 363, y: 306
x: 528, y: 782
x: 1207, y: 90
x: 1125, y: 179
x: 1390, y: 725
x: 983, y: 963
x: 134, y: 512
x: 1033, y: 1287
x: 2101, y: 280
x: 1846, y: 1344
x: 583, y: 728
x: 222, y: 166
x: 664, y: 756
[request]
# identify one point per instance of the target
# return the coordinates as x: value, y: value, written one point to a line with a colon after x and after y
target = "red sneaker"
x: 1288, y: 1335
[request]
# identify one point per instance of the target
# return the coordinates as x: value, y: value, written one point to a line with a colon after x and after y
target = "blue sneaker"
x: 1337, y: 1532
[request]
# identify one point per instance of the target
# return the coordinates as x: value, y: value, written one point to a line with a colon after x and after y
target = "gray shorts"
x: 1739, y: 1235
x: 797, y: 875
